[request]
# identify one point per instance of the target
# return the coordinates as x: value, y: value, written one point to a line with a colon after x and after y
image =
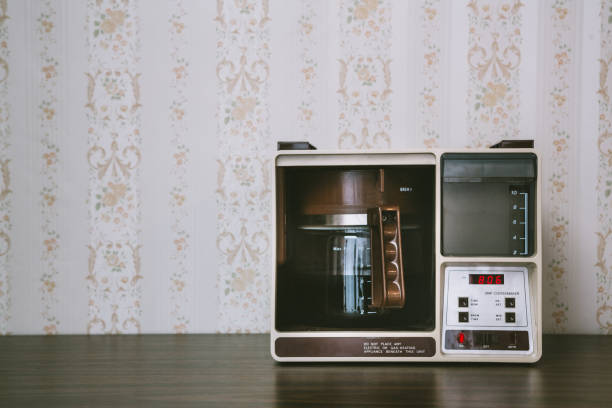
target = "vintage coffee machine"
x: 407, y: 255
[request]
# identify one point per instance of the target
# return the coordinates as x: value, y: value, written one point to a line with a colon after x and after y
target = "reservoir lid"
x: 486, y: 165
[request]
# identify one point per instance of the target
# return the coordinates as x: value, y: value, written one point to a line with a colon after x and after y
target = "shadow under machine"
x: 406, y: 256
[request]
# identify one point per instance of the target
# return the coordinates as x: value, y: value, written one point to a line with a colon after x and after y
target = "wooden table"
x: 236, y: 370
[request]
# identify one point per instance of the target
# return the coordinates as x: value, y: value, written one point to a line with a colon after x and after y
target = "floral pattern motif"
x: 47, y: 23
x: 364, y: 90
x: 309, y: 70
x: 181, y: 230
x: 5, y: 193
x: 429, y: 99
x: 113, y: 112
x: 603, y: 295
x: 244, y: 165
x: 494, y: 57
x: 556, y: 189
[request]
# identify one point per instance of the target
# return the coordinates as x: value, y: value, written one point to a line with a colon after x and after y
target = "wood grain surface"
x: 236, y: 370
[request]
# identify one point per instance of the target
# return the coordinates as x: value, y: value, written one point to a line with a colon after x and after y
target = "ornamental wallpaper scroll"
x: 136, y: 142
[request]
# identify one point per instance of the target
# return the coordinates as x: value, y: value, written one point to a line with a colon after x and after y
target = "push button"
x: 510, y: 302
x: 464, y: 317
x: 463, y: 302
x: 510, y: 317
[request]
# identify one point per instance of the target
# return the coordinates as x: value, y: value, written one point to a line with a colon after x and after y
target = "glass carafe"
x: 349, y: 275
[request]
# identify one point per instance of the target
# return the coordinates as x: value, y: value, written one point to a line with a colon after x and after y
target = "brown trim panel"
x: 355, y: 346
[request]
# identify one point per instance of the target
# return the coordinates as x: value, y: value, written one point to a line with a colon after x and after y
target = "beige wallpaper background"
x: 136, y: 140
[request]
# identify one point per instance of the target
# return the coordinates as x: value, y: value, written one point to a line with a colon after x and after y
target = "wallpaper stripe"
x: 364, y: 88
x: 494, y: 57
x: 244, y: 150
x: 603, y: 263
x: 430, y: 94
x: 309, y: 69
x: 5, y: 159
x: 114, y: 156
x: 48, y: 131
x: 181, y: 230
x: 558, y: 97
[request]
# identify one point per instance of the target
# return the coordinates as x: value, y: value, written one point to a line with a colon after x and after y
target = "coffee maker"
x: 407, y: 255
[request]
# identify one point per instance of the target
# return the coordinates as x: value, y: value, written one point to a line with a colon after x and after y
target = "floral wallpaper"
x: 494, y: 58
x: 131, y: 116
x: 114, y: 155
x: 604, y: 178
x: 364, y: 84
x: 560, y: 119
x: 244, y: 159
x: 47, y: 23
x: 309, y: 69
x: 430, y: 95
x: 5, y: 159
x: 182, y: 232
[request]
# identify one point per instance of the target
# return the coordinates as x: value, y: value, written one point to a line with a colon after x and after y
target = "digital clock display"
x: 486, y: 279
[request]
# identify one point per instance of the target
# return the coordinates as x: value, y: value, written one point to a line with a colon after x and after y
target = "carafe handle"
x: 387, y: 269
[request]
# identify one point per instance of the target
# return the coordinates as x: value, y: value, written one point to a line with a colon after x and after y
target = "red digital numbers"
x: 486, y: 279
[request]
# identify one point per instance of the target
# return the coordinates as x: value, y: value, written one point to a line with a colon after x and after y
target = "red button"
x: 461, y: 338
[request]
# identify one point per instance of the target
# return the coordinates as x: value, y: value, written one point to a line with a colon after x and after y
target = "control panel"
x: 487, y: 310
